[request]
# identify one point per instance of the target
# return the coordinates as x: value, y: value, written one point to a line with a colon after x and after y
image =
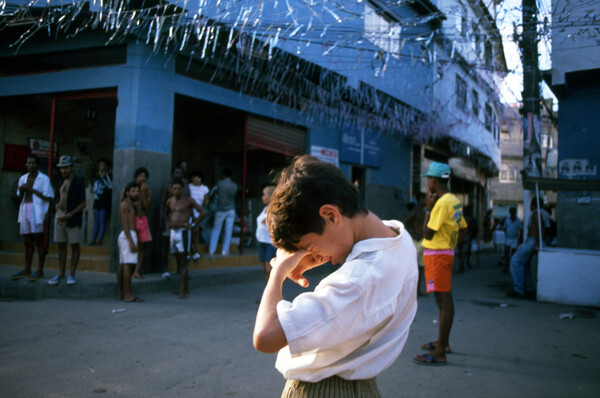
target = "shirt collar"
x: 374, y: 244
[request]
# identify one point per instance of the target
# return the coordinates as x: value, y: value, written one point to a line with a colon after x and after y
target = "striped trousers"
x: 331, y: 387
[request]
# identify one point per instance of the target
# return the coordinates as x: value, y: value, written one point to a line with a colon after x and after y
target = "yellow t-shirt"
x: 446, y: 219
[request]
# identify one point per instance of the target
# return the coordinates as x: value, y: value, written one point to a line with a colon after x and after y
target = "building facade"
x: 575, y: 80
x: 152, y: 86
x: 469, y: 63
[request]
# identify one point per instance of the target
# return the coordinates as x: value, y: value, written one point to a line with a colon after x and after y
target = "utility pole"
x: 532, y: 158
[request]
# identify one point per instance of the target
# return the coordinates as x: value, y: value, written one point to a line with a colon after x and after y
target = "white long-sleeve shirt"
x: 40, y: 206
x: 356, y: 322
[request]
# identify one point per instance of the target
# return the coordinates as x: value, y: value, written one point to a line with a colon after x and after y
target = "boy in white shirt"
x: 198, y: 192
x: 337, y: 339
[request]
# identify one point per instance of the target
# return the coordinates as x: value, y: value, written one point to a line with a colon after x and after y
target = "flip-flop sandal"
x: 19, y: 275
x: 430, y: 347
x: 136, y: 299
x: 428, y: 360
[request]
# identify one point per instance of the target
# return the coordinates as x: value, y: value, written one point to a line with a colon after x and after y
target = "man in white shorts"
x: 35, y: 193
x: 178, y: 211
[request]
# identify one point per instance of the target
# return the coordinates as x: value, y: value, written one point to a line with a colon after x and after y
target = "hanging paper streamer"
x: 295, y: 53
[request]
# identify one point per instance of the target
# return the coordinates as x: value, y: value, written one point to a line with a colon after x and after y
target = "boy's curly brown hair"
x: 302, y: 188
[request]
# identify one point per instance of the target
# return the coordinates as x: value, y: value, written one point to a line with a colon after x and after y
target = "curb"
x: 89, y: 286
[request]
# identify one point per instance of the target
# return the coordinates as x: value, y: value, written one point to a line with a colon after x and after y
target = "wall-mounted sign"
x: 361, y: 148
x: 328, y: 155
x: 41, y: 148
x: 576, y: 167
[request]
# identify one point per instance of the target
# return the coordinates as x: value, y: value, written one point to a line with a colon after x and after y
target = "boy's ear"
x: 330, y: 213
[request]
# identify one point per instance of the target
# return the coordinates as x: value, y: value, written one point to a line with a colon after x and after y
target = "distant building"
x: 507, y: 188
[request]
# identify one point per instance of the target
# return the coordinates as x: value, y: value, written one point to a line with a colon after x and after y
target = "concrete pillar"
x: 143, y: 133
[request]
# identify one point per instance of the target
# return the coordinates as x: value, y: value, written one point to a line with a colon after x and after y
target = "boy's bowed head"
x: 303, y: 189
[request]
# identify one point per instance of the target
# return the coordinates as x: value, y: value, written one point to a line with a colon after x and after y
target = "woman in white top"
x: 266, y: 249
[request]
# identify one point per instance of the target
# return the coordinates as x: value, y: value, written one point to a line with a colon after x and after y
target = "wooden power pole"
x: 532, y: 158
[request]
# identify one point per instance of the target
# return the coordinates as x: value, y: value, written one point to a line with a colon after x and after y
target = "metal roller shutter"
x: 275, y: 136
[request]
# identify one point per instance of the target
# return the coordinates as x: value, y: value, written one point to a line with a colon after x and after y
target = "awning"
x: 463, y: 169
x: 559, y: 184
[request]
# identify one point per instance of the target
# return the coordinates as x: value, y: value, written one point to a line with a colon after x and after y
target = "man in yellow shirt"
x: 443, y: 229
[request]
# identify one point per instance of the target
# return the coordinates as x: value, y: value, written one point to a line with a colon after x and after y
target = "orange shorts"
x: 438, y: 269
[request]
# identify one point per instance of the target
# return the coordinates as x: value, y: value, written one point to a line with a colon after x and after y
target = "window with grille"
x: 461, y: 93
x: 508, y: 173
x: 463, y: 25
x: 489, y: 117
x: 475, y: 103
x: 382, y: 32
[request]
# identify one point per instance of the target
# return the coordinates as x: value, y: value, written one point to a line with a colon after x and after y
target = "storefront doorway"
x: 79, y: 124
x: 211, y: 137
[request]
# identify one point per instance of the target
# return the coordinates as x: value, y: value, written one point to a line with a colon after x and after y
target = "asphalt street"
x: 201, y: 346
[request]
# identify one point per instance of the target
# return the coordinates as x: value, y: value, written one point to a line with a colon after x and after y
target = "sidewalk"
x: 101, y: 284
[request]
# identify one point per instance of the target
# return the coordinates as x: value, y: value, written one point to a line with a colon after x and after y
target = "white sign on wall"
x: 328, y: 155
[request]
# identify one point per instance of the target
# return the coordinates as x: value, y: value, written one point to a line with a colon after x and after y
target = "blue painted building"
x: 574, y: 79
x: 239, y: 87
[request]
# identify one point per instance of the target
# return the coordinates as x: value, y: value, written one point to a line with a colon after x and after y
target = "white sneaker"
x: 196, y: 256
x: 166, y: 275
x: 55, y: 280
x: 70, y: 280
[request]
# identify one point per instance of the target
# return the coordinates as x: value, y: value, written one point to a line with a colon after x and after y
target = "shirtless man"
x: 142, y: 227
x: 165, y: 194
x: 69, y: 217
x: 34, y: 192
x: 128, y: 243
x: 178, y: 210
x: 414, y: 224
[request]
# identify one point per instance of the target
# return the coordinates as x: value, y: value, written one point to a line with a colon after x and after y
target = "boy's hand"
x: 293, y: 265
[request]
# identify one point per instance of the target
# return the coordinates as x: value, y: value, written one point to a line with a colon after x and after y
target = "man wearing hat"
x: 67, y: 224
x: 443, y: 228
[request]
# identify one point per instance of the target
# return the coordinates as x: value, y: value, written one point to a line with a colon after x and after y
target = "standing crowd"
x: 189, y: 214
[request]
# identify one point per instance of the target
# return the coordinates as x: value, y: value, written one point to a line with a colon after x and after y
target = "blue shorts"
x: 266, y: 252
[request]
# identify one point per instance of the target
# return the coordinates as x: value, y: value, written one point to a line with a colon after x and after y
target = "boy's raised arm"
x: 268, y: 335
